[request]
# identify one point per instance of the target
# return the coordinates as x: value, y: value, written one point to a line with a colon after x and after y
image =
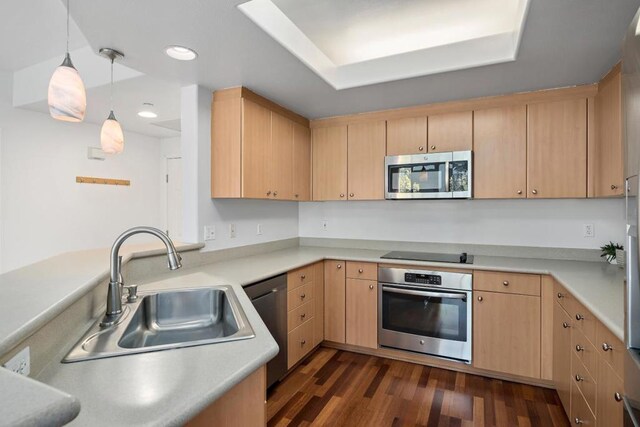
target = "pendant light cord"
x: 111, y: 87
x: 67, y: 26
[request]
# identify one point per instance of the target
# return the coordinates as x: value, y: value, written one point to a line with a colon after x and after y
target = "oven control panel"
x: 426, y: 279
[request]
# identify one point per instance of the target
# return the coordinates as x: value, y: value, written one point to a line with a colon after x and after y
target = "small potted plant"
x: 609, y: 252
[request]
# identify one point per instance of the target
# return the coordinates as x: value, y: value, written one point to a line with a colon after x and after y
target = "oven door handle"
x: 424, y: 293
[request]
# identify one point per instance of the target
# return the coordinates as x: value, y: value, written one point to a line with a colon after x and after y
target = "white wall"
x: 44, y: 211
x: 279, y: 220
x: 169, y: 148
x: 543, y: 223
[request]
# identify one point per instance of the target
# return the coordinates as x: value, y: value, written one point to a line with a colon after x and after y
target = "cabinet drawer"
x: 585, y: 321
x: 298, y: 316
x: 614, y: 355
x: 585, y: 351
x: 362, y: 270
x: 513, y: 283
x: 299, y: 296
x: 584, y: 381
x: 580, y: 411
x: 609, y: 401
x: 299, y: 276
x: 300, y: 343
x: 563, y: 297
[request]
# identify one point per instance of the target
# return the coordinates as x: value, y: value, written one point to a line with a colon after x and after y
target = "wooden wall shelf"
x: 103, y: 181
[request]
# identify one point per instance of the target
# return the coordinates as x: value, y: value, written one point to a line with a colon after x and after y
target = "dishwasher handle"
x: 272, y: 291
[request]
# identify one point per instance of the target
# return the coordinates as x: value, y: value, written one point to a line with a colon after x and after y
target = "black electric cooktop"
x: 462, y: 258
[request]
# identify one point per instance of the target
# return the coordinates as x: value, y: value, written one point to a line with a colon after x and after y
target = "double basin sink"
x: 168, y: 319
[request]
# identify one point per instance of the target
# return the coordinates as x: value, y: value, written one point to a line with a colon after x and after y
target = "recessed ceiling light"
x: 147, y: 111
x: 181, y: 53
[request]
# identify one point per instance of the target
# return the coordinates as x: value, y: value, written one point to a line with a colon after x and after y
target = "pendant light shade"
x: 66, y: 96
x: 111, y: 136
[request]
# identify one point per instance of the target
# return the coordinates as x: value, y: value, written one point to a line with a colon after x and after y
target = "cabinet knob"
x: 579, y: 347
x: 303, y: 315
x: 578, y: 421
x: 565, y: 325
x: 303, y: 342
x: 505, y: 283
x: 480, y: 298
x: 296, y: 195
x: 433, y: 147
x: 304, y: 276
x: 360, y: 271
x: 534, y: 191
x: 341, y: 194
x: 421, y: 148
x: 350, y: 194
x: 303, y: 296
x: 519, y: 191
x: 560, y: 295
x: 268, y: 192
x: 275, y: 193
x: 339, y: 266
x: 579, y: 316
x: 579, y: 378
x: 370, y: 286
x: 614, y: 187
x: 606, y: 347
x: 617, y: 397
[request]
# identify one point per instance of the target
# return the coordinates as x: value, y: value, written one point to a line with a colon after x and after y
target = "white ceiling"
x: 357, y: 43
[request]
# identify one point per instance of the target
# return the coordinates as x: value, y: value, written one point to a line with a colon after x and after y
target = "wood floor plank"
x: 337, y: 388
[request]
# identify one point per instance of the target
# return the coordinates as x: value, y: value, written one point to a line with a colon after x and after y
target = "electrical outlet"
x: 232, y: 231
x: 589, y: 230
x: 259, y: 229
x: 209, y: 232
x: 20, y: 363
x: 325, y: 225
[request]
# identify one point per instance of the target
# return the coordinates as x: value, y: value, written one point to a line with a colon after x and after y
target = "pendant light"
x: 111, y: 136
x: 66, y: 95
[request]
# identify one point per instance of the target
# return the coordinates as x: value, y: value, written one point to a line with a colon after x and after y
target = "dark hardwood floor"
x: 338, y: 388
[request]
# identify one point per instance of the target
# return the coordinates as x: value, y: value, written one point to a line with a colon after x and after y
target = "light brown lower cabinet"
x: 362, y: 313
x: 506, y: 333
x: 318, y: 316
x: 580, y: 414
x: 334, y: 301
x: 243, y: 405
x: 562, y: 354
x: 609, y: 396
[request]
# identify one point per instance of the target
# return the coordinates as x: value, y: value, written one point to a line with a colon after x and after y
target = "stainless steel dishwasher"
x: 269, y: 297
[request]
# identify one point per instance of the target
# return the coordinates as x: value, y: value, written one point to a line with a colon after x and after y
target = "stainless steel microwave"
x: 429, y: 176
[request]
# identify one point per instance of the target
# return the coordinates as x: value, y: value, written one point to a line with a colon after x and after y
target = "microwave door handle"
x: 424, y: 293
x: 447, y: 188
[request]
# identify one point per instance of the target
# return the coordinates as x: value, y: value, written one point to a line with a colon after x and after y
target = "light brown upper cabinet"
x: 557, y: 149
x: 450, y: 132
x: 500, y: 152
x: 301, y: 163
x: 254, y: 147
x: 366, y: 147
x: 606, y: 170
x: 406, y: 136
x: 329, y: 145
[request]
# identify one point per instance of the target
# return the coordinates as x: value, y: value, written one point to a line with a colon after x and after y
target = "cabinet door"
x: 606, y: 173
x: 329, y: 146
x: 562, y: 355
x: 281, y: 159
x: 318, y: 298
x: 557, y: 149
x: 500, y: 153
x: 506, y: 333
x: 256, y: 147
x: 301, y: 163
x: 406, y: 136
x: 366, y: 151
x: 609, y: 395
x: 362, y: 313
x: 334, y: 301
x: 450, y: 132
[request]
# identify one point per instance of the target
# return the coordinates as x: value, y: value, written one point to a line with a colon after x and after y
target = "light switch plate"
x: 20, y: 363
x: 232, y: 230
x: 209, y: 232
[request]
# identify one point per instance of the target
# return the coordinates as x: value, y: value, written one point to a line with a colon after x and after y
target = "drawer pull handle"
x: 519, y: 191
x: 360, y: 271
x: 339, y: 266
x: 579, y: 378
x: 303, y: 342
x: 303, y: 296
x: 370, y: 286
x: 560, y: 295
x: 578, y: 421
x: 480, y: 298
x: 303, y: 276
x: 579, y: 316
x: 433, y: 147
x: 303, y: 315
x: 505, y: 283
x: 617, y: 396
x: 565, y: 325
x: 421, y: 148
x: 606, y: 347
x: 579, y: 348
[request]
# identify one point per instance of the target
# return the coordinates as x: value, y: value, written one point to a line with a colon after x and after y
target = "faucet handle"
x: 132, y: 293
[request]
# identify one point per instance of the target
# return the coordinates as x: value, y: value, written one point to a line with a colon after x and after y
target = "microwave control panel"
x: 423, y: 279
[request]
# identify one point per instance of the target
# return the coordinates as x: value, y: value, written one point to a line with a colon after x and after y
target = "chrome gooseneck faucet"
x: 114, y: 294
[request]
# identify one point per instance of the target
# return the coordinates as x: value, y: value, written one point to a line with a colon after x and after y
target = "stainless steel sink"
x: 163, y: 320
